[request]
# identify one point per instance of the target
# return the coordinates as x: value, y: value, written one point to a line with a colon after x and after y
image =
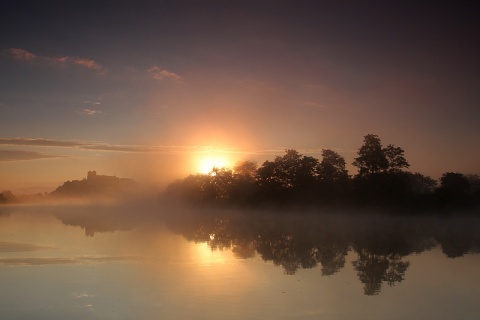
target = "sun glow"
x: 208, y: 256
x: 207, y: 164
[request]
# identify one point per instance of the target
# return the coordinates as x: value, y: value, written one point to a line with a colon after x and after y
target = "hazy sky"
x: 150, y: 88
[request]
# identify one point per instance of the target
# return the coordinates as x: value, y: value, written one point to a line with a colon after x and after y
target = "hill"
x: 96, y: 186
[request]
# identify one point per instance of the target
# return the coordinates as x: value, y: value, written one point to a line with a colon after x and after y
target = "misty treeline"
x: 95, y: 186
x: 295, y: 179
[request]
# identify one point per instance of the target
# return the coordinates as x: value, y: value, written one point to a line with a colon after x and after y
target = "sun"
x: 207, y: 163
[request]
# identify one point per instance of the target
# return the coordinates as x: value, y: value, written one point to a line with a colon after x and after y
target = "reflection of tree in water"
x: 308, y: 241
x: 4, y: 212
x: 287, y: 242
x: 332, y: 258
x: 304, y: 246
x: 305, y: 241
x: 381, y: 245
x: 458, y: 238
x: 95, y: 222
x: 373, y: 270
x: 103, y: 218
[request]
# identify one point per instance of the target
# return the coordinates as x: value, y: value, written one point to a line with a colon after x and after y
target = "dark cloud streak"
x: 18, y: 155
x: 40, y: 142
x: 97, y: 146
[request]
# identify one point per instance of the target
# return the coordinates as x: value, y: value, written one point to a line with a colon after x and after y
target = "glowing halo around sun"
x: 207, y: 164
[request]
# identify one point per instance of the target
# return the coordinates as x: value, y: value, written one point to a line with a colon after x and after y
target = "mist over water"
x: 146, y: 259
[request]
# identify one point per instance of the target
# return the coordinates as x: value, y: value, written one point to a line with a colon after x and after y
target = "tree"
x: 280, y: 173
x: 333, y: 180
x: 332, y: 168
x: 289, y: 175
x: 307, y: 173
x: 289, y: 167
x: 195, y: 189
x: 222, y: 180
x: 6, y: 196
x: 245, y: 170
x: 454, y: 183
x: 268, y: 175
x: 244, y: 187
x: 420, y: 184
x: 371, y: 156
x: 455, y: 189
x: 395, y: 158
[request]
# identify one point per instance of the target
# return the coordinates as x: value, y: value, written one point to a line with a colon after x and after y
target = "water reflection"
x: 97, y: 220
x: 381, y: 244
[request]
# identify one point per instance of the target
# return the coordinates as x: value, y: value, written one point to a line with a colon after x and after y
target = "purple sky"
x: 149, y: 89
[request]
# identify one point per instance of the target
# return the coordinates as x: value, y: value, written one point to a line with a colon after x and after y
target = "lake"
x: 142, y: 261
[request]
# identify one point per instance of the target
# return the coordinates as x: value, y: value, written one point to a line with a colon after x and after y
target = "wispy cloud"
x: 18, y: 155
x: 24, y: 55
x: 89, y: 112
x: 149, y: 149
x: 35, y: 261
x: 160, y: 149
x: 38, y: 261
x: 99, y: 146
x: 20, y: 54
x: 82, y: 62
x: 92, y: 102
x: 6, y: 246
x: 310, y: 104
x: 40, y: 142
x: 159, y: 73
x: 82, y: 295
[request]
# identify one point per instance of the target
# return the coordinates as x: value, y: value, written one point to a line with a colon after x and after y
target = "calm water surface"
x: 139, y: 262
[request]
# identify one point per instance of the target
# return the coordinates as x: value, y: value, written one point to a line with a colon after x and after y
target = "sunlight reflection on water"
x: 207, y: 269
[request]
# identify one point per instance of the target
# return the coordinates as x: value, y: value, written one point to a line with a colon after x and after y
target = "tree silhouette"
x: 287, y: 176
x: 294, y: 179
x: 6, y: 196
x: 332, y: 175
x: 244, y: 187
x: 195, y: 189
x: 245, y: 170
x: 454, y: 190
x: 332, y: 168
x: 222, y: 181
x: 371, y: 156
x: 395, y: 158
x: 420, y: 184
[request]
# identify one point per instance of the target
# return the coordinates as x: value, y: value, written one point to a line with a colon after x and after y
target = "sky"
x: 152, y: 89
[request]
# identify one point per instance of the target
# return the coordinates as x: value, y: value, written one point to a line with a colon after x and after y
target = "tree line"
x: 296, y: 179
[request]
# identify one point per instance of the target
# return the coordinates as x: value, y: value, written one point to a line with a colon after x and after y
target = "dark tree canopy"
x: 288, y: 171
x: 332, y: 168
x: 296, y: 179
x: 246, y: 170
x: 395, y: 157
x: 371, y: 156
